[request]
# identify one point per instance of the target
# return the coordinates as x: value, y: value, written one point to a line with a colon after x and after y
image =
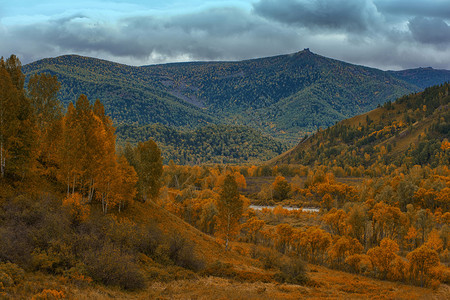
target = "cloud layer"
x: 388, y: 34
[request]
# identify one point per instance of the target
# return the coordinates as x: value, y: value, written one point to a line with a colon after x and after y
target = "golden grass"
x: 329, y: 284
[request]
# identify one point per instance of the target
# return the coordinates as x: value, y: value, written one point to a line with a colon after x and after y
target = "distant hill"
x: 423, y: 77
x: 284, y: 97
x: 414, y: 130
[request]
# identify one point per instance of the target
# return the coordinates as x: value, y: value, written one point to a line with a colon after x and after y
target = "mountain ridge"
x: 283, y: 96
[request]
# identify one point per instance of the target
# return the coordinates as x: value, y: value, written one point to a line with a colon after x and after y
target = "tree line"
x: 76, y: 148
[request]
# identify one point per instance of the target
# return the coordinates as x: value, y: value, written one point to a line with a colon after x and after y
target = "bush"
x: 268, y: 257
x: 111, y: 266
x: 13, y: 271
x: 220, y: 269
x: 150, y: 238
x: 5, y: 280
x: 250, y: 276
x: 293, y: 270
x: 49, y: 294
x: 55, y: 259
x: 181, y: 252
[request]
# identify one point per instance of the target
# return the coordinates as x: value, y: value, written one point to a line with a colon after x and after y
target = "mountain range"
x: 282, y: 97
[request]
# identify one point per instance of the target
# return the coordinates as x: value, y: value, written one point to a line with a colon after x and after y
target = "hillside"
x: 80, y: 219
x: 284, y: 96
x: 412, y: 130
x: 243, y: 277
x: 130, y: 94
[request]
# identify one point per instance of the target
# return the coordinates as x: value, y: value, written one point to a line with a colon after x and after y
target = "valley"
x: 84, y: 214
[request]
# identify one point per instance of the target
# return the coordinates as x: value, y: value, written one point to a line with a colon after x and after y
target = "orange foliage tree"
x: 342, y: 247
x: 421, y: 261
x: 283, y: 237
x: 359, y: 263
x: 336, y: 219
x: 78, y: 209
x: 315, y: 242
x: 230, y: 207
x: 252, y: 228
x: 387, y: 221
x: 382, y: 256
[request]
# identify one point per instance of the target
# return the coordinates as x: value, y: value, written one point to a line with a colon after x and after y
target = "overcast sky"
x: 386, y: 34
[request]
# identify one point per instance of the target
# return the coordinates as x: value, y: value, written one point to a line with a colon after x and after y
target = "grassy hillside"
x: 244, y: 279
x: 410, y: 131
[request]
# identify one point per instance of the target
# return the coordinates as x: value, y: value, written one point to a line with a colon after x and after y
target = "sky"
x: 385, y: 34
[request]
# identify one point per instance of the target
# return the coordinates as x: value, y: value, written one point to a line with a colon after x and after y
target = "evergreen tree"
x: 149, y: 169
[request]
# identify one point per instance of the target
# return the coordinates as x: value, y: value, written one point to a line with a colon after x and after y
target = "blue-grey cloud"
x: 430, y: 30
x: 367, y: 32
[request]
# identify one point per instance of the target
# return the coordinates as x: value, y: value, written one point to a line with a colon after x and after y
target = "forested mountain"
x: 130, y: 94
x: 414, y: 130
x: 284, y: 96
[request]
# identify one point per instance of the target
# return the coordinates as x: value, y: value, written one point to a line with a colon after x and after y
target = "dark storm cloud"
x: 378, y: 33
x: 218, y: 33
x: 430, y: 30
x: 347, y: 15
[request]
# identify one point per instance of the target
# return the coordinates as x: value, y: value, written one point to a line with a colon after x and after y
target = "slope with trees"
x: 413, y: 130
x: 77, y: 217
x: 283, y: 96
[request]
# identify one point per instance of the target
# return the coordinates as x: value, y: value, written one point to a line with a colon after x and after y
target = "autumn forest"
x: 359, y: 209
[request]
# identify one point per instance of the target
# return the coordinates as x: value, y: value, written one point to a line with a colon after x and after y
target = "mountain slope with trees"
x: 414, y: 130
x: 283, y: 96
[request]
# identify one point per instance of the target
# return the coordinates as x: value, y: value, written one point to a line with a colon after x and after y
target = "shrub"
x: 250, y: 276
x: 77, y: 276
x: 158, y: 274
x: 181, y: 252
x: 268, y: 257
x: 13, y: 271
x: 111, y: 266
x: 220, y: 269
x: 5, y: 280
x: 55, y: 259
x: 15, y: 245
x: 49, y: 294
x: 149, y: 240
x: 441, y: 273
x: 293, y: 270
